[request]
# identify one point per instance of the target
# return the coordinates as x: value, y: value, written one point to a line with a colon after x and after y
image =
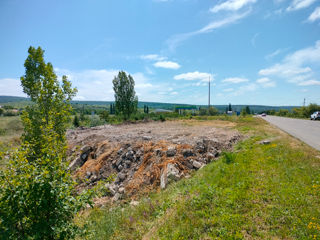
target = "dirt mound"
x: 143, y: 162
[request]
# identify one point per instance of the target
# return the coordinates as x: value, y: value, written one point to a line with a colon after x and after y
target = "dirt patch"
x: 145, y: 156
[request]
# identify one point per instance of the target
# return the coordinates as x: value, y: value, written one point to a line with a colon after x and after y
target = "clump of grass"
x: 229, y: 157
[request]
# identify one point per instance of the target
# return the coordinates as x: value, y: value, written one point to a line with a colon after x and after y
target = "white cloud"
x: 153, y: 57
x: 300, y: 4
x: 11, y: 87
x: 175, y: 40
x: 193, y: 76
x: 296, y: 67
x: 167, y: 64
x: 235, y: 80
x: 309, y: 83
x: 174, y: 93
x: 266, y: 82
x: 231, y: 5
x: 315, y: 15
x: 96, y: 84
x: 275, y: 53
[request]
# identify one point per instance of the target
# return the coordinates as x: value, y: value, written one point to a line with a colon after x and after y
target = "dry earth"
x: 145, y: 156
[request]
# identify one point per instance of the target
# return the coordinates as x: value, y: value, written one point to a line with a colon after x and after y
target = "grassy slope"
x: 269, y: 192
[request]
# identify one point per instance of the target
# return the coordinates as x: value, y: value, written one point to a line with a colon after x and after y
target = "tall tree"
x: 126, y: 101
x: 51, y: 100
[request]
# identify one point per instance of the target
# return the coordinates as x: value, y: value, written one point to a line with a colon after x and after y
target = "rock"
x: 118, y: 162
x: 121, y: 190
x: 196, y: 164
x: 120, y: 151
x: 78, y: 162
x: 188, y: 164
x: 120, y: 167
x: 147, y: 138
x: 265, y: 142
x: 88, y: 174
x: 158, y: 152
x: 111, y: 188
x: 134, y: 203
x: 200, y: 147
x: 169, y: 173
x: 187, y: 153
x: 171, y: 152
x: 85, y: 148
x: 211, y: 156
x: 163, y: 179
x: 93, y: 178
x: 122, y: 176
x: 172, y: 172
x: 127, y: 164
x: 116, y: 197
x: 130, y: 155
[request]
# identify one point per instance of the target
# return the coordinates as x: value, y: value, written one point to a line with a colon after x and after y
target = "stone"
x: 158, y: 152
x: 121, y: 190
x: 171, y: 152
x: 163, y: 179
x: 147, y: 138
x: 118, y: 162
x: 122, y: 176
x: 188, y: 164
x: 111, y: 189
x: 130, y: 155
x: 78, y: 162
x: 265, y: 142
x: 85, y: 148
x: 211, y: 156
x: 172, y: 172
x: 196, y: 164
x: 116, y: 197
x: 120, y: 167
x: 187, y: 153
x: 168, y: 174
x: 120, y: 151
x: 134, y: 203
x: 88, y: 174
x: 127, y: 164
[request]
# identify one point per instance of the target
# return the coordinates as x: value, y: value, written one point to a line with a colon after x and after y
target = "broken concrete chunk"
x: 122, y: 176
x: 187, y: 153
x: 121, y: 190
x: 172, y: 172
x: 196, y: 164
x: 147, y: 138
x: 171, y: 152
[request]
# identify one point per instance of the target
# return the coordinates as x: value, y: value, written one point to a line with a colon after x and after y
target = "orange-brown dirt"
x: 138, y: 154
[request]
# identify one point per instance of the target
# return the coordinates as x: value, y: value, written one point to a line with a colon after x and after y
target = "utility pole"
x: 209, y: 95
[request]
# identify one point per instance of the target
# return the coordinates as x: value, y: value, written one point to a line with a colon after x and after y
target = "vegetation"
x: 260, y: 192
x: 126, y: 101
x: 37, y: 195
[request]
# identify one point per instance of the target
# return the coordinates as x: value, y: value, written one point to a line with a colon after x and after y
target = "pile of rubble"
x: 141, y: 166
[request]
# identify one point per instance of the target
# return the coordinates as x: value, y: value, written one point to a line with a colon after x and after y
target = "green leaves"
x: 126, y: 101
x: 37, y: 198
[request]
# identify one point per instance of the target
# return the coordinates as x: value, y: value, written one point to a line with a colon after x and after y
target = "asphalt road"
x: 306, y: 130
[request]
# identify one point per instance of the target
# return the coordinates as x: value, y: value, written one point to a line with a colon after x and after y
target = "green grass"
x: 10, y: 132
x: 264, y: 192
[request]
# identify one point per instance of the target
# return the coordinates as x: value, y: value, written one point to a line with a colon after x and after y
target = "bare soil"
x: 137, y: 155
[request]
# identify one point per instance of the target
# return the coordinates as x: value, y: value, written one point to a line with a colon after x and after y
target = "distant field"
x: 10, y: 132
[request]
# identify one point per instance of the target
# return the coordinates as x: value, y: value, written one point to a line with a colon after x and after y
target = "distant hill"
x: 22, y: 101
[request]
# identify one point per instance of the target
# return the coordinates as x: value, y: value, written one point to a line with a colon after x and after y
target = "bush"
x: 37, y: 199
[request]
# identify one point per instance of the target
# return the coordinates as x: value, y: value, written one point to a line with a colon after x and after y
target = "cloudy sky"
x: 254, y: 51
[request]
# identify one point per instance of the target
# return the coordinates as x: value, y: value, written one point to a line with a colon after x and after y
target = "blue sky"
x: 255, y: 51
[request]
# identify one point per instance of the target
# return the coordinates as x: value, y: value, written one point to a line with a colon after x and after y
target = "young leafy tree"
x: 37, y: 198
x: 51, y: 101
x: 126, y: 101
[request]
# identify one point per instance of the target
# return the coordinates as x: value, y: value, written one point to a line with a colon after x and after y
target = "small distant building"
x: 229, y: 113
